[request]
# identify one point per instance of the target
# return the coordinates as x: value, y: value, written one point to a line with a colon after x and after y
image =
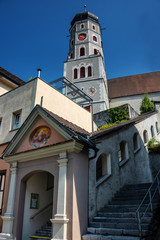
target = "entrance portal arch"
x: 36, y: 202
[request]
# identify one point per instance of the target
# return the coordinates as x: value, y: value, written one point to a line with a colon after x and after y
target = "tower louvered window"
x: 95, y: 38
x: 82, y: 51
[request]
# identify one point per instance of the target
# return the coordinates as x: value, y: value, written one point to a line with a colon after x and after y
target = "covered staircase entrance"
x: 43, y: 233
x: 127, y: 216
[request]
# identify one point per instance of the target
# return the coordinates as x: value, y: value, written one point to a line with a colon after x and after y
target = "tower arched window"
x: 82, y: 72
x: 82, y: 25
x: 82, y: 51
x: 145, y: 136
x: 93, y: 27
x: 89, y: 71
x: 95, y: 38
x: 75, y: 73
x: 95, y: 51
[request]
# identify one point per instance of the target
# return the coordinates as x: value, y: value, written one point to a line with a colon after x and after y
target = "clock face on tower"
x: 82, y: 36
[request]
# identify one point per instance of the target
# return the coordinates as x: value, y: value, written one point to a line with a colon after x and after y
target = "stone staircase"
x: 117, y: 219
x: 43, y: 233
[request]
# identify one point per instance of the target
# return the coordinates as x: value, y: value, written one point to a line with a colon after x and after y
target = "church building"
x: 58, y: 171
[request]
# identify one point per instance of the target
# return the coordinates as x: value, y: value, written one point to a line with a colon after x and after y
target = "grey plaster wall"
x: 134, y: 170
x: 134, y: 101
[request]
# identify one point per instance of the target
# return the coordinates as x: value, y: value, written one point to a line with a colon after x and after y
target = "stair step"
x: 44, y: 232
x: 110, y: 231
x: 120, y: 214
x: 102, y: 237
x: 116, y: 225
x: 117, y: 220
x: 37, y: 237
x: 137, y: 186
x: 120, y: 220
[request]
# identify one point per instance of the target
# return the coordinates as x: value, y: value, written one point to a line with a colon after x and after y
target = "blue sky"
x: 34, y: 35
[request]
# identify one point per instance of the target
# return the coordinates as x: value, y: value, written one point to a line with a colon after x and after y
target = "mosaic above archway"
x: 40, y: 136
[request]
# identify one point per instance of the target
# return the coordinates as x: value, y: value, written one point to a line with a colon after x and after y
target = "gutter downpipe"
x: 34, y: 93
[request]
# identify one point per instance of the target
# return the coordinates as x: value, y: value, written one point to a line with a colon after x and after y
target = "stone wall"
x: 154, y: 159
x: 134, y: 169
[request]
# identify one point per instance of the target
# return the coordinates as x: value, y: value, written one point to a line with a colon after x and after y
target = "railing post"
x: 150, y: 200
x: 139, y: 222
x: 158, y: 185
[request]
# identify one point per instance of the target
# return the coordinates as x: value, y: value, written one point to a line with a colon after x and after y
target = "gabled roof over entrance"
x: 65, y: 131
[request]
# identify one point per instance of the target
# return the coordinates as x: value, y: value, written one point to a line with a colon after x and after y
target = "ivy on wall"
x: 116, y: 115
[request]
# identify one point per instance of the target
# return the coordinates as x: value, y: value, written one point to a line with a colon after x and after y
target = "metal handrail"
x: 41, y: 210
x: 141, y: 214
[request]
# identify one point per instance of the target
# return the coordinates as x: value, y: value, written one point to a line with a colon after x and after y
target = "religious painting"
x: 40, y: 136
x: 34, y: 201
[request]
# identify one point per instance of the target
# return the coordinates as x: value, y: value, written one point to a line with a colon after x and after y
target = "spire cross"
x: 84, y: 8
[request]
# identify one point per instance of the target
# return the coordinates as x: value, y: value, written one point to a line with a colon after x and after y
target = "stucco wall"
x: 134, y: 170
x: 4, y: 88
x: 61, y: 105
x: 20, y: 98
x: 146, y: 125
x: 77, y: 195
x: 134, y: 101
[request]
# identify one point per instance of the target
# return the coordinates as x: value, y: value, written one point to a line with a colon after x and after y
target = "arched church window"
x: 157, y: 127
x: 145, y: 136
x: 93, y: 27
x: 136, y: 145
x: 75, y: 73
x: 152, y: 131
x: 123, y: 151
x: 82, y: 72
x: 82, y: 51
x: 95, y: 38
x: 103, y: 165
x: 89, y: 71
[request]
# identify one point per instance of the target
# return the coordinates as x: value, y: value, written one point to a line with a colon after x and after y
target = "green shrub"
x: 118, y: 114
x: 153, y: 145
x: 146, y: 105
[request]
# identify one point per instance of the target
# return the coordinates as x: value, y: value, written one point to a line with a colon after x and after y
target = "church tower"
x: 85, y: 62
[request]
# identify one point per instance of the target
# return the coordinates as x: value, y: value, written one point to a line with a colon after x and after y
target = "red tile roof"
x: 11, y: 77
x: 134, y: 85
x: 67, y: 124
